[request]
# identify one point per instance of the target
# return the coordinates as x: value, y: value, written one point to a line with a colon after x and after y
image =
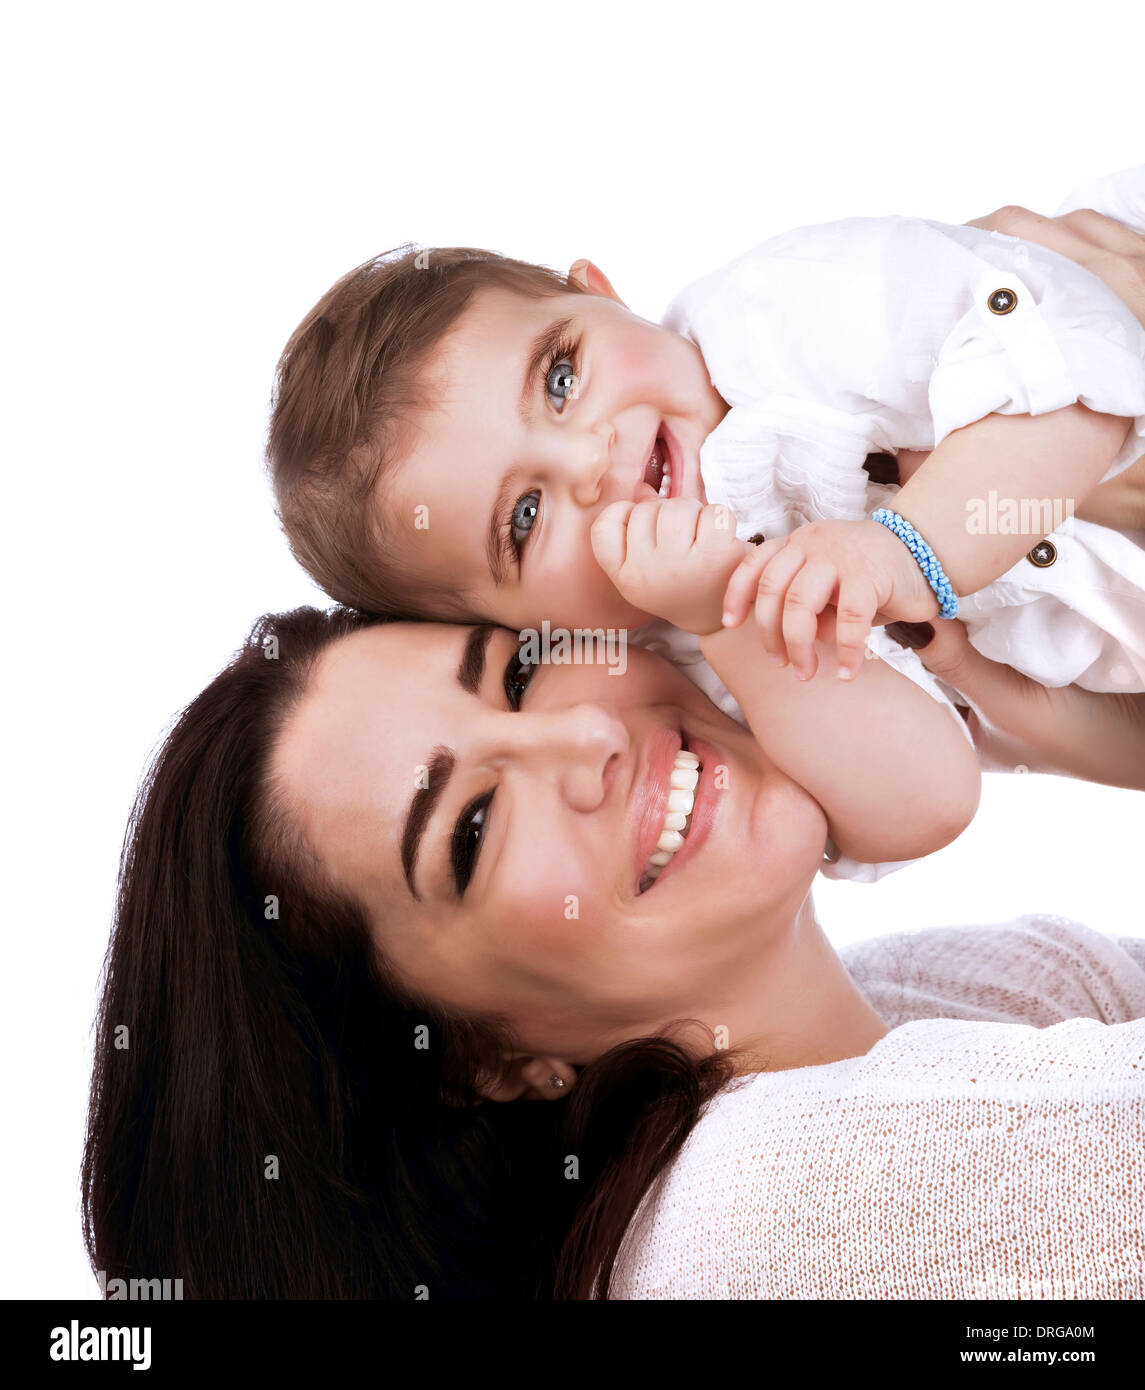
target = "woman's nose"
x: 580, y: 748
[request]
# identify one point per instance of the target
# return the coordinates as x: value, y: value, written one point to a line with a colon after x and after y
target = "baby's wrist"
x: 921, y: 587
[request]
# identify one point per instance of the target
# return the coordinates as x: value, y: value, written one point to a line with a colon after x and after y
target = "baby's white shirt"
x: 872, y: 335
x: 876, y: 334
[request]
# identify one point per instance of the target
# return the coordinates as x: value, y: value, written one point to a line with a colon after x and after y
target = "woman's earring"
x: 556, y: 1082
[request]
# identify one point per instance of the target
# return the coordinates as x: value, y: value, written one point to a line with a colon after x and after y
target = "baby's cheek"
x: 645, y: 356
x: 577, y: 593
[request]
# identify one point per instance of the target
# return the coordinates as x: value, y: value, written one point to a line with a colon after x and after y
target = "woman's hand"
x: 1017, y: 723
x: 1115, y: 254
x: 1103, y: 246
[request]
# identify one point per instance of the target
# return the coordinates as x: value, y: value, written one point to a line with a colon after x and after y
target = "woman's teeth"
x: 682, y: 784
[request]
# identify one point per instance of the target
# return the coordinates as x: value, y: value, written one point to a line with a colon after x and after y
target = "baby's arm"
x: 1118, y: 502
x: 1060, y: 456
x: 868, y: 575
x: 895, y: 776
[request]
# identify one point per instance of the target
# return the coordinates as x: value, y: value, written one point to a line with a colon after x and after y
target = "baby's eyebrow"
x: 546, y: 341
x: 494, y: 548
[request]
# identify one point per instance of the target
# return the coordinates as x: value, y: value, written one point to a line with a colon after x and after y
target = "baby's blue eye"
x: 561, y: 381
x: 523, y: 516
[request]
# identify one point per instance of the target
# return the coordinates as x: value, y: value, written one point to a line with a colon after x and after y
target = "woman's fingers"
x: 1062, y: 729
x: 1102, y: 231
x: 1014, y: 220
x: 1006, y: 698
x: 1102, y: 245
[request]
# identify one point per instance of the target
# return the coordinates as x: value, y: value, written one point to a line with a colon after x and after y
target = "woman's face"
x: 496, y: 822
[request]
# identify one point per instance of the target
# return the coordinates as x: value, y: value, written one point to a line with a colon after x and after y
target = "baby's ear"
x: 591, y: 278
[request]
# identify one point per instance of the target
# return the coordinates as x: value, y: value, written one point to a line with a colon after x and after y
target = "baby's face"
x: 549, y: 410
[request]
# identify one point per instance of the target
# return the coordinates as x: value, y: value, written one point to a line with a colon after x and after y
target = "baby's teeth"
x: 680, y: 799
x: 675, y: 820
x: 686, y: 759
x: 659, y: 859
x: 685, y: 778
x: 670, y: 840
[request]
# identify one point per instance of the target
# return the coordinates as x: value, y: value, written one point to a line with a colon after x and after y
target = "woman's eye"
x: 560, y: 381
x: 466, y: 842
x: 518, y: 674
x: 523, y: 516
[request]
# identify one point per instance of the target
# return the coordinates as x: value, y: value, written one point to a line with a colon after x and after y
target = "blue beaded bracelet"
x: 927, y: 560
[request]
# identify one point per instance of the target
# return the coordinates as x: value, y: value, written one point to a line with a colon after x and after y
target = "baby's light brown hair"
x: 348, y: 387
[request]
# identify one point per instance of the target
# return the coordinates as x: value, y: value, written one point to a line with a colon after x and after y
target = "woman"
x: 324, y: 963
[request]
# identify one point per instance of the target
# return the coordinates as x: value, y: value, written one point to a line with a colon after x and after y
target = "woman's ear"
x: 591, y: 278
x: 531, y: 1077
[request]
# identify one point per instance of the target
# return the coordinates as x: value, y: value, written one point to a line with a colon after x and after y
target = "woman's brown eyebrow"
x: 470, y: 670
x: 471, y: 667
x: 421, y: 809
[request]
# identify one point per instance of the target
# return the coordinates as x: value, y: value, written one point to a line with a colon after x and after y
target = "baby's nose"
x: 591, y: 467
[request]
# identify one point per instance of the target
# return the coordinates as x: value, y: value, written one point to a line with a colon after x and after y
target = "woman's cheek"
x: 558, y: 908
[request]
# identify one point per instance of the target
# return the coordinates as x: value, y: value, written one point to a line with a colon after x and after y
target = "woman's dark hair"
x: 273, y: 1115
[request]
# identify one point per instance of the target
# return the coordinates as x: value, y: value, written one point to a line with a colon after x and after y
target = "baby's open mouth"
x: 682, y: 782
x: 658, y: 469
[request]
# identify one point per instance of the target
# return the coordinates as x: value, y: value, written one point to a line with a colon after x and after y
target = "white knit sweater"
x: 991, y: 1145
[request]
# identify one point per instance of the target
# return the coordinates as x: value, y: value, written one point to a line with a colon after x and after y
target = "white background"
x: 180, y: 184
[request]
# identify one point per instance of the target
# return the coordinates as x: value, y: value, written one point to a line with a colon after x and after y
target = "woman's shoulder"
x: 802, y: 1183
x: 1038, y: 969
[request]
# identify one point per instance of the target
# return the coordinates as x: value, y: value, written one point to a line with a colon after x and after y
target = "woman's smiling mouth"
x: 679, y: 810
x: 682, y: 782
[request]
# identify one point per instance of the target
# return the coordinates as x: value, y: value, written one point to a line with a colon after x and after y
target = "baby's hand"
x: 859, y: 567
x: 671, y: 557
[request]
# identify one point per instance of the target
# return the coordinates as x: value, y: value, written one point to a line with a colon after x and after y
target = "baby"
x: 462, y: 436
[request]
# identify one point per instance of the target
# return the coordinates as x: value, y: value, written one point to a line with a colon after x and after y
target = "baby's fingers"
x: 609, y: 537
x: 856, y: 607
x: 778, y: 574
x: 810, y: 592
x: 740, y: 593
